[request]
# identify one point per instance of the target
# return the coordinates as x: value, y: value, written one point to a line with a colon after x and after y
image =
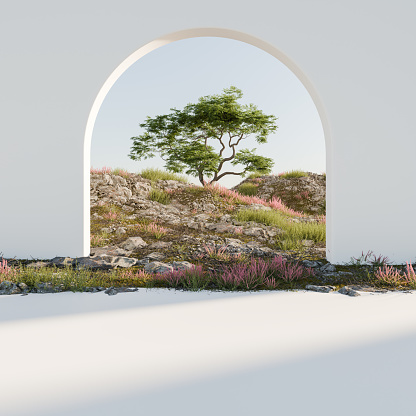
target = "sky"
x: 179, y: 73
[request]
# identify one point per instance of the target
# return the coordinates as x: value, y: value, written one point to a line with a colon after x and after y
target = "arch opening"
x: 187, y: 34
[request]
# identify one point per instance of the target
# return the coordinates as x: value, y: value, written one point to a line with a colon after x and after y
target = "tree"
x: 181, y: 137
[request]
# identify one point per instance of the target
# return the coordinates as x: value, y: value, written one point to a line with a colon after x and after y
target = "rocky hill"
x: 167, y: 221
x: 306, y: 193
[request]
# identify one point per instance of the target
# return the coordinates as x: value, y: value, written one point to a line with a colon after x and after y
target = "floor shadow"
x: 374, y: 379
x: 33, y: 306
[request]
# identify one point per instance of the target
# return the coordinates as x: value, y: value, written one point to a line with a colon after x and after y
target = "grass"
x: 160, y: 196
x: 159, y: 174
x: 153, y: 229
x: 293, y: 174
x: 255, y: 175
x: 293, y: 233
x: 248, y: 189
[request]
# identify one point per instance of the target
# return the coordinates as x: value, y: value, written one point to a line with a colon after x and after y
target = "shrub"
x: 248, y: 189
x: 391, y: 275
x: 160, y: 196
x: 6, y: 272
x: 261, y: 274
x: 191, y: 279
x: 159, y: 174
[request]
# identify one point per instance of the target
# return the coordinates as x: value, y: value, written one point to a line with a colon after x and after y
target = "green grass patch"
x: 255, y: 175
x: 294, y: 174
x: 293, y: 232
x: 248, y: 189
x: 160, y: 196
x: 159, y: 174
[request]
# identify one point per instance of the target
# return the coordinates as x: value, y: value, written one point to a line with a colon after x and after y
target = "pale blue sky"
x: 181, y: 72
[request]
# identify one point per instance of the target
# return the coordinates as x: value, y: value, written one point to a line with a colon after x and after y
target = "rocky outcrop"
x: 306, y: 194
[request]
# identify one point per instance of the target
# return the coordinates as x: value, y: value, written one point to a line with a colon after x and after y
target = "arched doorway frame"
x: 195, y: 33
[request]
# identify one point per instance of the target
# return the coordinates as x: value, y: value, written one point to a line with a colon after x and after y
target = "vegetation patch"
x: 159, y: 174
x: 160, y: 196
x: 293, y: 174
x: 248, y: 189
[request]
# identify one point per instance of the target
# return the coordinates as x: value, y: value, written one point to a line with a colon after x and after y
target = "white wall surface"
x: 58, y: 60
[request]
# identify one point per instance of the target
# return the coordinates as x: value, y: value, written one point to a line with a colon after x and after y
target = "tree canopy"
x: 183, y: 137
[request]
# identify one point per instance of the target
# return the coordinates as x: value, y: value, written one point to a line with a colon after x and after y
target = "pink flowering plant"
x: 7, y: 272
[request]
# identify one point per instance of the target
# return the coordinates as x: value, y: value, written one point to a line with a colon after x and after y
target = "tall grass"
x: 160, y: 196
x: 248, y: 189
x: 293, y: 174
x: 159, y: 174
x: 291, y: 231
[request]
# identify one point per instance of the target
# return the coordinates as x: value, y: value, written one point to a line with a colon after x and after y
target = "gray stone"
x: 158, y: 267
x: 181, y: 265
x: 155, y: 256
x: 255, y: 232
x: 9, y: 288
x: 133, y: 243
x: 111, y: 291
x: 348, y: 291
x: 118, y: 261
x: 161, y: 244
x: 310, y: 263
x: 328, y: 268
x: 221, y: 227
x: 323, y: 289
x: 97, y: 263
x: 257, y: 207
x: 62, y: 261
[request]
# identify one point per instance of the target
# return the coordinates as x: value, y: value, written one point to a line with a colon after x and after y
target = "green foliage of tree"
x: 183, y: 137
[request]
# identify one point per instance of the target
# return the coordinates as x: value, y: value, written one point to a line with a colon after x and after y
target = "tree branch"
x: 216, y: 178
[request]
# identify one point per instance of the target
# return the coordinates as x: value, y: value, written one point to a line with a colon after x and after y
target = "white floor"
x: 162, y: 352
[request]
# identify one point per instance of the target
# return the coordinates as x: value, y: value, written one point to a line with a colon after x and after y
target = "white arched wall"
x: 355, y: 58
x: 186, y: 34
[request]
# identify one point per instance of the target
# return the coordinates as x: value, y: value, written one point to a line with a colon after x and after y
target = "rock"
x: 117, y: 261
x: 323, y: 289
x: 257, y: 207
x: 155, y: 256
x: 38, y: 265
x: 9, y: 288
x: 181, y: 265
x: 120, y: 230
x: 328, y: 268
x: 221, y: 227
x: 308, y: 243
x: 23, y: 286
x: 157, y: 267
x: 255, y: 232
x: 111, y: 291
x: 348, y: 291
x: 133, y: 243
x: 62, y: 261
x: 99, y: 263
x: 109, y: 251
x: 309, y: 263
